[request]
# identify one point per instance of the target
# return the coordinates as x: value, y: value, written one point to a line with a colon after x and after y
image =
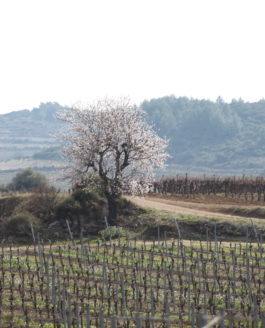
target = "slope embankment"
x: 197, y: 218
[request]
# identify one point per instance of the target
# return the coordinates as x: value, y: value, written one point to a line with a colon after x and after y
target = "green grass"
x: 256, y: 212
x: 195, y: 227
x: 127, y: 254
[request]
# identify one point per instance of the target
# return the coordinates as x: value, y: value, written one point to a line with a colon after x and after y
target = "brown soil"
x: 209, y: 207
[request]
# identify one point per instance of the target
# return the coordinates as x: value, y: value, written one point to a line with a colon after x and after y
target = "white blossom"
x: 111, y: 143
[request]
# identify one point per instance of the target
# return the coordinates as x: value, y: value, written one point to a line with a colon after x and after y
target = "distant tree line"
x: 210, y: 134
x: 201, y: 133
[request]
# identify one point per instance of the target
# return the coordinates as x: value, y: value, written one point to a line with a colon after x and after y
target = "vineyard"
x: 246, y: 188
x: 126, y: 283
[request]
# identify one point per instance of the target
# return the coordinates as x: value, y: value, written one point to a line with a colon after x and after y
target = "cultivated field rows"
x: 130, y: 284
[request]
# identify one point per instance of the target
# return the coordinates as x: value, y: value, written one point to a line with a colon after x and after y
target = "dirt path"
x: 183, y: 207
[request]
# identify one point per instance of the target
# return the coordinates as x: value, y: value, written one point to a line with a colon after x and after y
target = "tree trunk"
x: 113, y: 210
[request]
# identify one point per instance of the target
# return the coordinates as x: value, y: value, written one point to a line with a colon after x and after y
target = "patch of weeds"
x: 113, y: 232
x: 256, y: 212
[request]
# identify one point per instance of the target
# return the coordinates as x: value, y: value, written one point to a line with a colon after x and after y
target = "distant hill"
x: 22, y: 133
x: 207, y: 136
x: 40, y: 122
x: 204, y: 136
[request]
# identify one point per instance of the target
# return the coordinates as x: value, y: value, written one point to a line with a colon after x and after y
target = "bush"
x: 85, y: 196
x: 67, y: 208
x: 28, y: 180
x: 41, y: 204
x: 113, y: 232
x: 19, y: 225
x: 82, y: 208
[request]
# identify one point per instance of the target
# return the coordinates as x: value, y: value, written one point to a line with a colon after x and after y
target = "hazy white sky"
x: 80, y: 50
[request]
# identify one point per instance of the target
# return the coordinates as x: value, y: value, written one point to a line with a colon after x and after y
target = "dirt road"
x: 183, y: 207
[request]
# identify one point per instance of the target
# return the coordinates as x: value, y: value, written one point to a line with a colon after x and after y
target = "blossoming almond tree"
x: 111, y: 143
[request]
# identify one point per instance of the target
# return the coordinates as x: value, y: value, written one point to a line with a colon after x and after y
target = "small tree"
x: 28, y: 180
x: 110, y: 144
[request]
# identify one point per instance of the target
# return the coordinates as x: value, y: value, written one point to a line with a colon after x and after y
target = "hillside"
x: 27, y: 139
x: 204, y: 136
x: 211, y: 137
x: 22, y: 133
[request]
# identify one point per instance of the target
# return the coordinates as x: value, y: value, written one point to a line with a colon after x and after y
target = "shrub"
x: 19, y: 225
x: 28, y: 180
x: 113, y: 232
x: 67, y: 208
x: 86, y: 196
x: 41, y: 204
x: 82, y: 208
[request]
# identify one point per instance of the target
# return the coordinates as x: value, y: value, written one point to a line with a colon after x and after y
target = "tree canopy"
x: 110, y: 143
x: 28, y: 180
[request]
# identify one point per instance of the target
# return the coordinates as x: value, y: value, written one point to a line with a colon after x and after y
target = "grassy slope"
x: 254, y: 212
x: 144, y: 222
x: 193, y: 227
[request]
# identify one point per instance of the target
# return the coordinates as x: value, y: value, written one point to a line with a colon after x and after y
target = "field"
x: 198, y: 261
x: 126, y: 283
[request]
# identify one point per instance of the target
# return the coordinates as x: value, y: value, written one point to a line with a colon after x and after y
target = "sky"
x: 72, y: 51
